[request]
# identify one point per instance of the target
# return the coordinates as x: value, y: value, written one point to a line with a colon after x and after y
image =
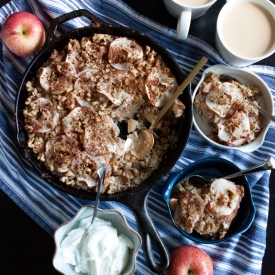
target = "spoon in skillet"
x: 145, y: 140
x: 200, y: 181
x: 101, y: 177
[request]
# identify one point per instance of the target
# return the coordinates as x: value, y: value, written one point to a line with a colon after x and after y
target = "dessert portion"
x: 207, y: 209
x: 221, y: 102
x: 89, y: 101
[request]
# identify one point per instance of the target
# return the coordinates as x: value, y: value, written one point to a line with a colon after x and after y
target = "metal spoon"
x: 101, y: 176
x: 261, y: 110
x: 145, y: 140
x: 269, y: 164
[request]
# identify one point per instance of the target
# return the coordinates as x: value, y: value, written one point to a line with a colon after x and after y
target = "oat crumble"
x: 80, y: 96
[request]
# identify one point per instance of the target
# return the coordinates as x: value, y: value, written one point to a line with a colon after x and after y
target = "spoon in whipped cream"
x: 101, y: 177
x: 145, y: 139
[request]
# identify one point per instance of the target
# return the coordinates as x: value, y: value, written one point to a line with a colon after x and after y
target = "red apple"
x: 23, y: 33
x: 190, y: 260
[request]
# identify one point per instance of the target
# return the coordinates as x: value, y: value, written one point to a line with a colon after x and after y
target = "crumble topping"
x: 79, y: 101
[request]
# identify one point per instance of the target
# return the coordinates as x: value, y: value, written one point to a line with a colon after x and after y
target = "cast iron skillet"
x: 135, y: 198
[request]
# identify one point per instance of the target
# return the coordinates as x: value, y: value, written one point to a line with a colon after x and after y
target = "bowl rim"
x: 75, y: 217
x: 223, y: 69
x: 174, y: 178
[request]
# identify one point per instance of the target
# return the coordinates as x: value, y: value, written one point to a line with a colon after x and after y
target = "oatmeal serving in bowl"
x: 222, y: 112
x: 221, y: 101
x: 211, y: 210
x: 88, y: 101
x: 207, y: 209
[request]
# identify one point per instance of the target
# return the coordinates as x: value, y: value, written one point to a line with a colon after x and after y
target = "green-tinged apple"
x: 190, y: 260
x: 23, y: 33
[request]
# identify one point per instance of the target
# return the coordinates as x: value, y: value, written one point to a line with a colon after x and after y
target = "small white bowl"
x: 248, y: 79
x: 117, y: 220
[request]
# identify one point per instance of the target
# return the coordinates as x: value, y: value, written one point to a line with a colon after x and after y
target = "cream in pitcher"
x: 245, y: 31
x: 248, y: 30
x: 193, y: 3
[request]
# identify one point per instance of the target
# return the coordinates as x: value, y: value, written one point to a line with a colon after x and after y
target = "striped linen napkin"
x: 49, y: 207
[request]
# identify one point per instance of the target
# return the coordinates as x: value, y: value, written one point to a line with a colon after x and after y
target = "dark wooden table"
x: 25, y: 248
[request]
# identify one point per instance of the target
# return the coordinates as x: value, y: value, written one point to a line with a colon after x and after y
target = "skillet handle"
x: 138, y: 203
x: 68, y: 16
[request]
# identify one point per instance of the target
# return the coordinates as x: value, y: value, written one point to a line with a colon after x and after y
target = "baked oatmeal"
x: 221, y: 102
x: 207, y: 209
x: 81, y: 98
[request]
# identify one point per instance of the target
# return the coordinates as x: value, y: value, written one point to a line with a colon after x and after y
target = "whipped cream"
x: 103, y: 252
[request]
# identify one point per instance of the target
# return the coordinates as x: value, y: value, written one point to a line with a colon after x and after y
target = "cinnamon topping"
x: 80, y: 99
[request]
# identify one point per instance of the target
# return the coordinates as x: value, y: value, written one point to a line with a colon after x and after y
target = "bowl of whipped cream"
x: 110, y: 247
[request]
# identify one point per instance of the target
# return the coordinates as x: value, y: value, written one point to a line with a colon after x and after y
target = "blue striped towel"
x: 49, y: 207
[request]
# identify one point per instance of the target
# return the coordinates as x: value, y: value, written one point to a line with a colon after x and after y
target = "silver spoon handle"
x: 101, y: 174
x: 269, y: 164
x: 264, y: 112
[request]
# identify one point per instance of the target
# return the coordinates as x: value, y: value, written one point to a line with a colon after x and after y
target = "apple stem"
x: 17, y: 32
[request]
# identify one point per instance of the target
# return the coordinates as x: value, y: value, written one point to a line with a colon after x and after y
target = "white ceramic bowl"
x: 117, y: 220
x: 249, y: 79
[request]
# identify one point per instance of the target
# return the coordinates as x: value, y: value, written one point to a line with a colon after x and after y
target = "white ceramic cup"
x: 229, y: 55
x: 185, y: 14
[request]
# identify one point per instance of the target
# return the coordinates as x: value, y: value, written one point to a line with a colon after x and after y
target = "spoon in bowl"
x: 145, y: 139
x: 101, y: 177
x: 261, y: 110
x: 200, y: 181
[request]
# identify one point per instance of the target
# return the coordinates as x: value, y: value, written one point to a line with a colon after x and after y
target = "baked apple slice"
x: 225, y: 197
x: 235, y: 130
